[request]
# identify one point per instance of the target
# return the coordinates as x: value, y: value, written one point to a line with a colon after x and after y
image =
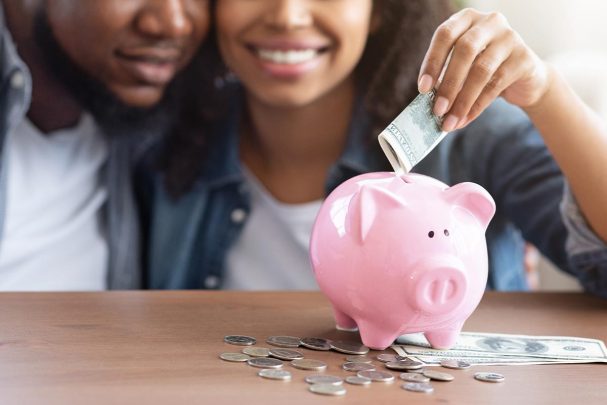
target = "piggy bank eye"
x: 431, y: 234
x: 446, y: 232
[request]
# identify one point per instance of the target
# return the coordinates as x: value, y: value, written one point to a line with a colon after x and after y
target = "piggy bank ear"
x: 474, y: 198
x: 365, y: 206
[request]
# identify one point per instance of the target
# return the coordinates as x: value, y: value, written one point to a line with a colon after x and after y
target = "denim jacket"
x: 189, y: 237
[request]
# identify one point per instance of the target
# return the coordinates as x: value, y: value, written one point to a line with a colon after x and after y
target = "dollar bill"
x: 482, y: 348
x: 412, y: 134
x: 488, y: 360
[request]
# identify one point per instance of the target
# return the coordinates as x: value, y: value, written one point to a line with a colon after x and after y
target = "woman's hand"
x: 489, y: 59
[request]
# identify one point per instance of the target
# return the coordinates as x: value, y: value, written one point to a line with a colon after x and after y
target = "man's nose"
x: 289, y: 14
x: 165, y: 19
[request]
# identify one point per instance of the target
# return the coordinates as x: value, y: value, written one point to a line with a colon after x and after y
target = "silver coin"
x: 256, y: 351
x: 327, y: 389
x: 408, y: 361
x: 316, y: 343
x: 386, y: 357
x: 356, y: 380
x: 323, y: 379
x: 236, y: 357
x: 274, y: 374
x: 455, y: 364
x: 359, y: 359
x: 404, y: 365
x: 489, y: 377
x: 240, y: 340
x: 349, y: 347
x: 309, y: 364
x: 265, y: 362
x: 349, y: 366
x: 380, y: 376
x: 286, y: 354
x: 284, y: 341
x: 414, y: 377
x: 418, y: 387
x: 438, y: 375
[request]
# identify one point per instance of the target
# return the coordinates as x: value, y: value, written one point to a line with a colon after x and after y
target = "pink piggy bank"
x: 402, y: 254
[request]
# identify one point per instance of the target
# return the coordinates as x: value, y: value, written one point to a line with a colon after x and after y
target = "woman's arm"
x: 577, y: 139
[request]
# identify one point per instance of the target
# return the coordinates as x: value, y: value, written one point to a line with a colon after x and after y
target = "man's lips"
x: 161, y: 54
x: 154, y: 66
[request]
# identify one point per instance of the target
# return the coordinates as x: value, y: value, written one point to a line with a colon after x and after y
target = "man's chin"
x: 141, y: 97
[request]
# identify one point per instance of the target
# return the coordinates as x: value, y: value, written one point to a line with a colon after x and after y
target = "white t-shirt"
x: 53, y: 237
x: 272, y: 251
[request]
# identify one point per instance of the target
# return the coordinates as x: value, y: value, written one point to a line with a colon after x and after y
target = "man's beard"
x: 115, y: 116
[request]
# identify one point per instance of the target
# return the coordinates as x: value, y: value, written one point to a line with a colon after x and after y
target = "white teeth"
x: 290, y: 57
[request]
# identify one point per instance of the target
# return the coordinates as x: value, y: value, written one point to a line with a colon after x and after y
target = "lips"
x: 151, y: 66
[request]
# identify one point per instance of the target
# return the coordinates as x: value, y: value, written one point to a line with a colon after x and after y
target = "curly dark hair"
x: 386, y: 75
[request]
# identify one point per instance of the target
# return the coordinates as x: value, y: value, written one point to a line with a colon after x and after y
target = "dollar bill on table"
x: 493, y: 348
x: 412, y: 134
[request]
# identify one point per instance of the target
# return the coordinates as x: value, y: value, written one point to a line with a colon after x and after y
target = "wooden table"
x: 163, y: 347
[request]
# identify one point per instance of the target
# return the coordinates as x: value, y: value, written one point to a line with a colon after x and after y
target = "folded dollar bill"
x: 494, y: 348
x: 412, y: 134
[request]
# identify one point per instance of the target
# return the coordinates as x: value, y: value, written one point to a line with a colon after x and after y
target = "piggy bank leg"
x: 443, y: 338
x: 343, y: 321
x: 374, y: 336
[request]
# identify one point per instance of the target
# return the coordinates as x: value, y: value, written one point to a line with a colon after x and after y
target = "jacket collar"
x: 5, y: 58
x: 223, y: 159
x: 362, y: 152
x: 9, y: 58
x: 15, y: 81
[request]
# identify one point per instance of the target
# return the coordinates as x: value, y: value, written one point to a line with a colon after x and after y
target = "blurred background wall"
x: 572, y: 35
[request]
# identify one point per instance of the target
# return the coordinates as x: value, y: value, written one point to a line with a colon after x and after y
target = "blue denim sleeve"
x: 503, y: 152
x: 586, y: 251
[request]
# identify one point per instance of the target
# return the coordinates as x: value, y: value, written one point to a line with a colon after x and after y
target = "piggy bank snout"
x: 439, y: 289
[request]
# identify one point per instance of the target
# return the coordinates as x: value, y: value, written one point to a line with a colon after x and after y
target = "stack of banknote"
x: 496, y: 349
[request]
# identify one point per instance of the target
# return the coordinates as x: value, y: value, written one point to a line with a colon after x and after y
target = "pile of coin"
x: 271, y: 361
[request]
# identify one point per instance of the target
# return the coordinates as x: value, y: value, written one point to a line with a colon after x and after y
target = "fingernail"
x: 425, y: 83
x: 461, y: 123
x: 450, y: 122
x: 440, y: 106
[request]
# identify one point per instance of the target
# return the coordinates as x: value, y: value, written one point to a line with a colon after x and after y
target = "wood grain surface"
x: 163, y: 347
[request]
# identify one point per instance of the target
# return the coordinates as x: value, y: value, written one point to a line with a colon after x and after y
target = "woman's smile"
x: 292, y: 53
x: 288, y: 59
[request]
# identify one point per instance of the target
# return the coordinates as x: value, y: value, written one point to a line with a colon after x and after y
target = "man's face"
x: 133, y: 47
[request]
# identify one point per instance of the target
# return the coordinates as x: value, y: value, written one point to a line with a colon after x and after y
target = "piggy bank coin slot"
x: 405, y: 179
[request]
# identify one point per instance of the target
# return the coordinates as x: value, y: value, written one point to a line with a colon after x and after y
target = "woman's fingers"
x: 442, y: 42
x: 484, y: 58
x: 465, y: 51
x: 503, y: 78
x: 480, y: 73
